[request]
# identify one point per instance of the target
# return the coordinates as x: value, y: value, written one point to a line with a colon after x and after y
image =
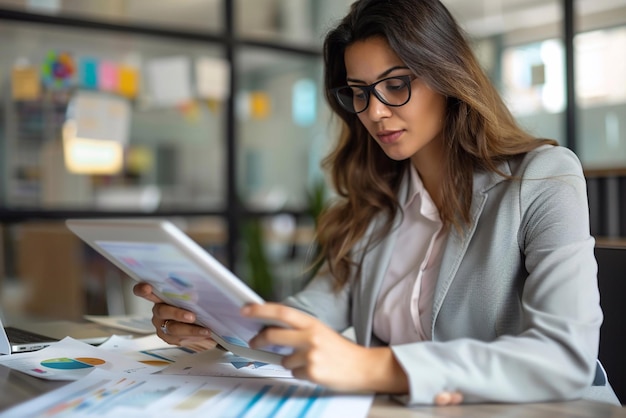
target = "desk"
x: 17, y: 387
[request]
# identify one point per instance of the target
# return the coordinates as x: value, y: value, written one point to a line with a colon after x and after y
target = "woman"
x: 459, y: 247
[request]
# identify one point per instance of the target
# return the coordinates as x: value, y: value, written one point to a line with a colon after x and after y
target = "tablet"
x: 183, y: 274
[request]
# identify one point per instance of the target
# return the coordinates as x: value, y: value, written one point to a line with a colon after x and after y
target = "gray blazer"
x: 516, y: 312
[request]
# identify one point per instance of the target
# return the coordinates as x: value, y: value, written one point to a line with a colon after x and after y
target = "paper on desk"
x: 141, y: 324
x: 105, y: 394
x: 70, y: 359
x: 149, y: 342
x: 223, y: 363
x: 150, y: 350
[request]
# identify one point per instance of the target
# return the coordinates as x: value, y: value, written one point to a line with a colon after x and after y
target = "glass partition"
x: 600, y: 77
x: 284, y: 127
x: 168, y: 119
x: 601, y: 94
x: 285, y: 130
x: 299, y: 22
x: 534, y: 86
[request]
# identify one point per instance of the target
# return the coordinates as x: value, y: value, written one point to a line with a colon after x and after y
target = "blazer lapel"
x: 457, y: 243
x: 375, y: 266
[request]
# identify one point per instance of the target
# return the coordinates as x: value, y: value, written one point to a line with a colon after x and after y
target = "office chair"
x: 612, y: 284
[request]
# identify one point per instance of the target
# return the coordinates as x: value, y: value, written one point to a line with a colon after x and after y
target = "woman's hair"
x: 478, y: 132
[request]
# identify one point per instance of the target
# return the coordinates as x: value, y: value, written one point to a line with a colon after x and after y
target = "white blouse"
x: 403, y: 312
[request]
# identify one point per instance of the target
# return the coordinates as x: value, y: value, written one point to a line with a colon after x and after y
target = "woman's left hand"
x: 324, y: 356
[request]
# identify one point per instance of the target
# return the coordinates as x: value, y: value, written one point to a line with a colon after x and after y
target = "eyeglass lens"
x: 393, y: 91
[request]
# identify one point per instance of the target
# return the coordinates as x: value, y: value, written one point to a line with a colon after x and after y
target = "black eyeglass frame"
x: 371, y: 89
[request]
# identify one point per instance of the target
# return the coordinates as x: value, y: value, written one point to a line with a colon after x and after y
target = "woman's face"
x: 408, y: 131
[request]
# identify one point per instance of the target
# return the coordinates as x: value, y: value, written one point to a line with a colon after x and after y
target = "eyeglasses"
x: 392, y: 91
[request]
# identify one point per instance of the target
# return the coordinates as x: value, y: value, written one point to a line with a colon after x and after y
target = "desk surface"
x: 17, y: 387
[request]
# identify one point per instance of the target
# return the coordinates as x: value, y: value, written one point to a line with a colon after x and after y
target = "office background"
x: 224, y: 127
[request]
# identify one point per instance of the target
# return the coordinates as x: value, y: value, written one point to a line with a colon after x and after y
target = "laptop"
x: 16, y: 340
x: 184, y: 274
x: 40, y: 335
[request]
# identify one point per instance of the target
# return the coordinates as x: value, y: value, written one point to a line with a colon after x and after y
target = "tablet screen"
x: 179, y: 281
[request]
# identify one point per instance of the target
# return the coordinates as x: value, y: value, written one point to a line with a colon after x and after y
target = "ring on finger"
x: 164, y: 326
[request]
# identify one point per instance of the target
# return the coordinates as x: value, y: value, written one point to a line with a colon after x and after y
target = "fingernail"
x: 204, y: 332
x: 188, y: 317
x: 245, y: 310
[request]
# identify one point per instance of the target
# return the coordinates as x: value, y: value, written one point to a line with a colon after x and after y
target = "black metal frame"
x: 569, y: 31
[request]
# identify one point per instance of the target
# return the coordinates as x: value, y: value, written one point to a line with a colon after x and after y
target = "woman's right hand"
x: 175, y: 325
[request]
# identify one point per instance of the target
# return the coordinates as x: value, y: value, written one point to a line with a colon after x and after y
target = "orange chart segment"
x: 91, y: 361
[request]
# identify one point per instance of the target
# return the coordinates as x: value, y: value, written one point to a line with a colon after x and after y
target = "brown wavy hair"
x: 479, y: 131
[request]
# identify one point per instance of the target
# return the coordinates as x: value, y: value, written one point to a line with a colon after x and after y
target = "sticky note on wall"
x: 107, y: 76
x: 88, y: 73
x: 169, y: 80
x: 128, y: 81
x: 260, y: 106
x: 304, y: 102
x: 58, y: 69
x: 25, y: 83
x: 212, y: 78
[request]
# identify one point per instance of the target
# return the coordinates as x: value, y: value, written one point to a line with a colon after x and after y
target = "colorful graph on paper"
x: 69, y: 359
x: 105, y: 394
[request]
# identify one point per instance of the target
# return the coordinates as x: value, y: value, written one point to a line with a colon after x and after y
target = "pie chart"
x: 65, y: 363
